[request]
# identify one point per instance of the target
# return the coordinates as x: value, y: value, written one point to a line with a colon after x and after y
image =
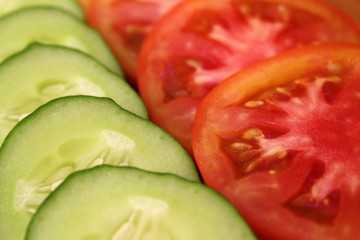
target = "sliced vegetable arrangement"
x: 131, y: 208
x: 53, y: 71
x: 202, y: 42
x: 70, y: 134
x: 275, y: 133
x: 282, y: 143
x: 75, y: 132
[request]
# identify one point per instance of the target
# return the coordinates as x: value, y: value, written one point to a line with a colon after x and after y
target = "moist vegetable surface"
x: 203, y: 42
x: 127, y: 203
x: 281, y: 143
x: 70, y: 134
x: 41, y: 73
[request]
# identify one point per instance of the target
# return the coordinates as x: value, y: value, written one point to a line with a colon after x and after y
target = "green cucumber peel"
x: 52, y: 25
x: 41, y: 72
x: 72, y: 6
x: 69, y: 134
x: 123, y: 203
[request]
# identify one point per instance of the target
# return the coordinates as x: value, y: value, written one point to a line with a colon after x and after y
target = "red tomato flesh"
x: 280, y: 140
x: 199, y: 43
x: 124, y: 24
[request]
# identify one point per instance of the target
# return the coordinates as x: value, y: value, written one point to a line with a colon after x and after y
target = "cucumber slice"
x: 55, y: 26
x: 73, y: 133
x: 126, y: 203
x: 72, y: 6
x: 44, y: 72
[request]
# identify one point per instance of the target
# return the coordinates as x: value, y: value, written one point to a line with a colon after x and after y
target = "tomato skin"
x: 124, y: 25
x: 266, y: 196
x: 188, y: 63
x: 350, y: 6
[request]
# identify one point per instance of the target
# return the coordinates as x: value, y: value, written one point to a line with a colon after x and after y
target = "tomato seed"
x: 334, y: 68
x: 253, y: 165
x: 254, y: 103
x: 284, y: 12
x: 253, y: 133
x: 241, y: 146
x: 283, y: 90
x: 249, y: 155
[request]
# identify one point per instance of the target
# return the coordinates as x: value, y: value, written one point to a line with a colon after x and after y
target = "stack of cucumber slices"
x: 79, y: 159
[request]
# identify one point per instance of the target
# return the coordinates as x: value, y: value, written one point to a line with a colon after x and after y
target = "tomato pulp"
x: 124, y: 24
x: 198, y: 43
x: 281, y: 142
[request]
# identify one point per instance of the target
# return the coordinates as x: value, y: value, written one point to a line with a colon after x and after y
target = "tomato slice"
x: 199, y: 43
x: 124, y: 24
x: 281, y: 142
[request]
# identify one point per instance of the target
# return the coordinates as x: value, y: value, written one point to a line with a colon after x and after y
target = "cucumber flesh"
x: 70, y: 134
x: 41, y: 72
x: 71, y: 6
x: 52, y: 26
x: 121, y: 203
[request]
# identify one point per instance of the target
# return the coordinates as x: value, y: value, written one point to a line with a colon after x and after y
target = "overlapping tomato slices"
x: 280, y: 140
x: 199, y: 43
